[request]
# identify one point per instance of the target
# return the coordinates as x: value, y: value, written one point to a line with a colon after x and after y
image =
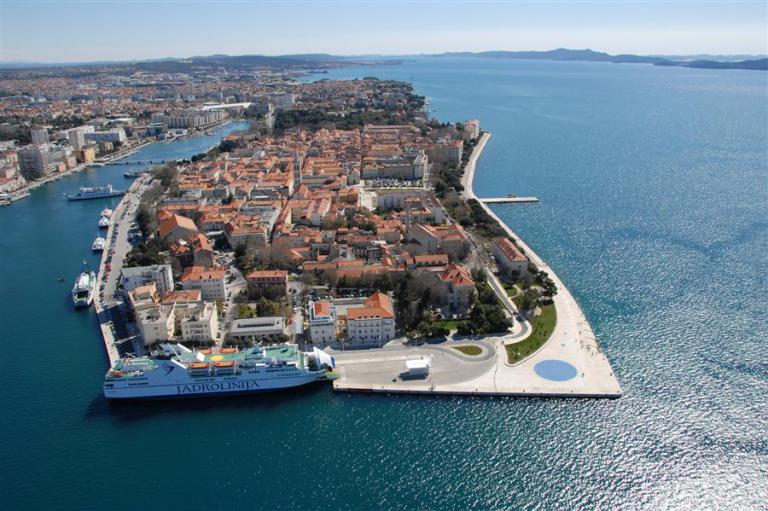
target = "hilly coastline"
x: 588, y: 55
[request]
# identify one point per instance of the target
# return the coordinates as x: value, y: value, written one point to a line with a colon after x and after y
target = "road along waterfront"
x: 111, y: 312
x: 118, y: 335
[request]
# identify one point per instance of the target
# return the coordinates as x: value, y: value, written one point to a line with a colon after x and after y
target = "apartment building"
x: 212, y: 282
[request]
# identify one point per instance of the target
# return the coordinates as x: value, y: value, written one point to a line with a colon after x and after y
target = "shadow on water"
x: 715, y: 250
x: 133, y: 411
x: 757, y: 369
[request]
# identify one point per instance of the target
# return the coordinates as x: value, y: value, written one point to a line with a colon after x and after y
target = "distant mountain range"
x: 314, y: 60
x: 596, y: 56
x: 196, y: 63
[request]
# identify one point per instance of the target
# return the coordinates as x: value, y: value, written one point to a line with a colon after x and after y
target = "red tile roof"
x: 263, y: 274
x: 200, y: 273
x: 378, y: 306
x: 457, y: 275
x: 510, y: 250
x: 169, y: 224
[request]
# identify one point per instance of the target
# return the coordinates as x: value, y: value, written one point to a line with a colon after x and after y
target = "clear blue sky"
x: 82, y: 30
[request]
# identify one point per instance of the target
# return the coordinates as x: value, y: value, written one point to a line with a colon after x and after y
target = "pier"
x: 509, y: 200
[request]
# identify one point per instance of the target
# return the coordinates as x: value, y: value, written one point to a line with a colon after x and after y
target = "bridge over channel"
x: 141, y: 162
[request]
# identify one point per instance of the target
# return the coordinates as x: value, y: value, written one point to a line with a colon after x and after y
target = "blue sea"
x: 654, y: 210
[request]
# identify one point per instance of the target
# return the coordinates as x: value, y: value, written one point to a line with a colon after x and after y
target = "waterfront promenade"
x: 109, y: 309
x: 572, y: 344
x: 24, y: 192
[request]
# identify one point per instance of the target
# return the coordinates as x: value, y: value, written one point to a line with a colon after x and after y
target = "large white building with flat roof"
x: 160, y: 274
x: 257, y: 329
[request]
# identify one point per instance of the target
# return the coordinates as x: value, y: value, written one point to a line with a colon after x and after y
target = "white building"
x: 447, y: 150
x: 76, y: 138
x: 39, y: 136
x: 510, y: 258
x: 115, y: 135
x: 192, y: 118
x: 322, y: 323
x: 420, y: 163
x: 471, y: 129
x: 160, y: 274
x: 212, y: 282
x: 257, y: 329
x: 197, y: 321
x: 372, y: 324
x: 156, y: 324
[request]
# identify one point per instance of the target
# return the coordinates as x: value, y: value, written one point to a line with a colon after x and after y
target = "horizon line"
x: 4, y: 63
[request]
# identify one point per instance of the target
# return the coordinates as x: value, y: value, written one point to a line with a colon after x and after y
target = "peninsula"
x: 338, y: 238
x: 356, y: 236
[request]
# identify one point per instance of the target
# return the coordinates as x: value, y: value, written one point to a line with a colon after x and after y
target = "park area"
x: 542, y: 327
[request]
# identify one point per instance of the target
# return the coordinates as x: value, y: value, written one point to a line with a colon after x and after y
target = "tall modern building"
x: 76, y: 139
x: 39, y: 136
x: 33, y: 161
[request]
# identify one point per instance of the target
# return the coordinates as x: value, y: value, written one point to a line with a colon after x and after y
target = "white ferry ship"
x: 82, y: 291
x: 181, y: 372
x: 104, y: 222
x: 98, y: 244
x: 106, y: 212
x: 96, y: 192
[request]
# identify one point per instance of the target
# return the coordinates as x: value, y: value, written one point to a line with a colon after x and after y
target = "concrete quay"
x: 572, y: 344
x: 109, y: 309
x: 509, y: 200
x: 487, y: 374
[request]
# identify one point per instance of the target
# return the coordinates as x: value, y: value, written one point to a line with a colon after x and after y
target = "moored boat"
x: 96, y: 192
x: 82, y: 291
x: 98, y: 244
x: 181, y: 372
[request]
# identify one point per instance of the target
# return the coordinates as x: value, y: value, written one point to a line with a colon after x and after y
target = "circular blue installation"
x: 555, y: 370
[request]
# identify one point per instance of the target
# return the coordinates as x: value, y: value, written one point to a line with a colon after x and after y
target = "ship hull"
x: 208, y: 388
x: 82, y: 304
x: 95, y: 196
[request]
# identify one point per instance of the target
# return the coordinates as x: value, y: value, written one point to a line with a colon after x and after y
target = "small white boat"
x: 82, y: 291
x: 104, y: 222
x: 98, y: 244
x: 106, y: 212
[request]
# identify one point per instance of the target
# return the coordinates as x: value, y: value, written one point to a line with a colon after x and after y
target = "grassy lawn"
x: 469, y: 350
x: 450, y: 324
x: 543, y: 325
x: 511, y: 289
